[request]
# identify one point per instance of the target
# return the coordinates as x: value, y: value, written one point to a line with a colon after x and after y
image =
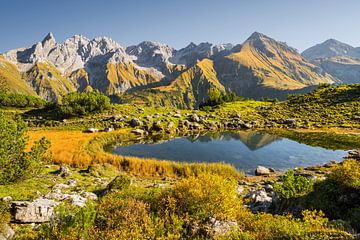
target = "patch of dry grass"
x: 80, y: 149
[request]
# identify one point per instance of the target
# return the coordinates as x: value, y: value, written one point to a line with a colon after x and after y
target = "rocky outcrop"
x: 37, y: 211
x: 6, y: 232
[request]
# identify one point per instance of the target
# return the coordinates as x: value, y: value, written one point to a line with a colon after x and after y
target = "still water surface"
x: 245, y: 150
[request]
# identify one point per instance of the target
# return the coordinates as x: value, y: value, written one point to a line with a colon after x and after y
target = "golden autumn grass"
x: 79, y: 149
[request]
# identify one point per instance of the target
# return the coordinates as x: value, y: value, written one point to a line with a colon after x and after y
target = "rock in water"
x: 37, y: 211
x: 262, y: 171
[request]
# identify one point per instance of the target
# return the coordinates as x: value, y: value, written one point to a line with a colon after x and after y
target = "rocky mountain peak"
x: 330, y: 48
x: 49, y: 39
x: 151, y: 54
x: 267, y: 44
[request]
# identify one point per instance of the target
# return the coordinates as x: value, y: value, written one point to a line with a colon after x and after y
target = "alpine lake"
x: 245, y: 150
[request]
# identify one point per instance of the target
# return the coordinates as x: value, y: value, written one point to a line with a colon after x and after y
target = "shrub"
x: 347, y: 174
x: 80, y: 104
x: 15, y: 163
x: 121, y: 182
x: 217, y: 98
x: 123, y: 219
x: 203, y: 196
x: 292, y: 186
x: 70, y: 223
x: 8, y: 99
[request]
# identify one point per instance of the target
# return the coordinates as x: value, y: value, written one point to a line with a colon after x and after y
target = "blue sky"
x: 299, y: 23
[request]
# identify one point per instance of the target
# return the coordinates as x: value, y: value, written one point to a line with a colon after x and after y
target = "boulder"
x: 157, y: 126
x: 261, y: 200
x: 170, y: 125
x: 91, y: 130
x: 108, y: 129
x: 6, y: 232
x: 64, y: 171
x: 262, y: 171
x: 194, y: 118
x: 135, y: 122
x: 292, y: 123
x: 138, y: 131
x: 6, y: 199
x: 37, y: 211
x: 214, y: 228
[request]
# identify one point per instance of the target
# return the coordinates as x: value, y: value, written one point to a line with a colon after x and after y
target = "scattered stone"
x: 177, y: 115
x: 64, y: 171
x: 138, y: 131
x: 72, y: 182
x: 6, y: 232
x: 108, y: 129
x: 6, y: 199
x: 269, y: 188
x: 61, y: 186
x: 78, y: 201
x: 292, y: 123
x: 89, y: 195
x: 214, y: 227
x: 194, y: 118
x: 240, y: 189
x: 157, y: 126
x: 262, y: 171
x: 261, y: 200
x: 37, y: 211
x: 186, y: 123
x: 135, y: 122
x: 92, y: 130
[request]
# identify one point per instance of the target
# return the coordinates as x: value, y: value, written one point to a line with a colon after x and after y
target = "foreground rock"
x: 213, y: 227
x: 262, y: 171
x: 37, y: 211
x: 6, y: 232
x: 64, y: 171
x: 261, y: 200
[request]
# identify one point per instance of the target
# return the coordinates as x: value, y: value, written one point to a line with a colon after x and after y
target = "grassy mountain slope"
x: 263, y: 64
x: 48, y: 82
x: 11, y: 79
x: 187, y: 90
x: 128, y: 75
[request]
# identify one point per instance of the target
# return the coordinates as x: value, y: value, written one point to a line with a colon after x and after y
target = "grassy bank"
x: 80, y: 149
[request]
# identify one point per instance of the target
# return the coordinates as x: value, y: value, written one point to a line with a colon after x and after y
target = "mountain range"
x: 155, y: 73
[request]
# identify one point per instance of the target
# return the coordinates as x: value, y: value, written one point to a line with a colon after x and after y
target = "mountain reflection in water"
x: 244, y: 149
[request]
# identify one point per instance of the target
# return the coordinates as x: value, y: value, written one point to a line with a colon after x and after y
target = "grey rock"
x: 37, y: 211
x: 108, y: 129
x: 92, y: 130
x: 261, y: 201
x: 262, y: 171
x: 6, y: 199
x: 64, y: 171
x: 194, y: 118
x: 135, y: 122
x: 6, y: 232
x: 138, y: 131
